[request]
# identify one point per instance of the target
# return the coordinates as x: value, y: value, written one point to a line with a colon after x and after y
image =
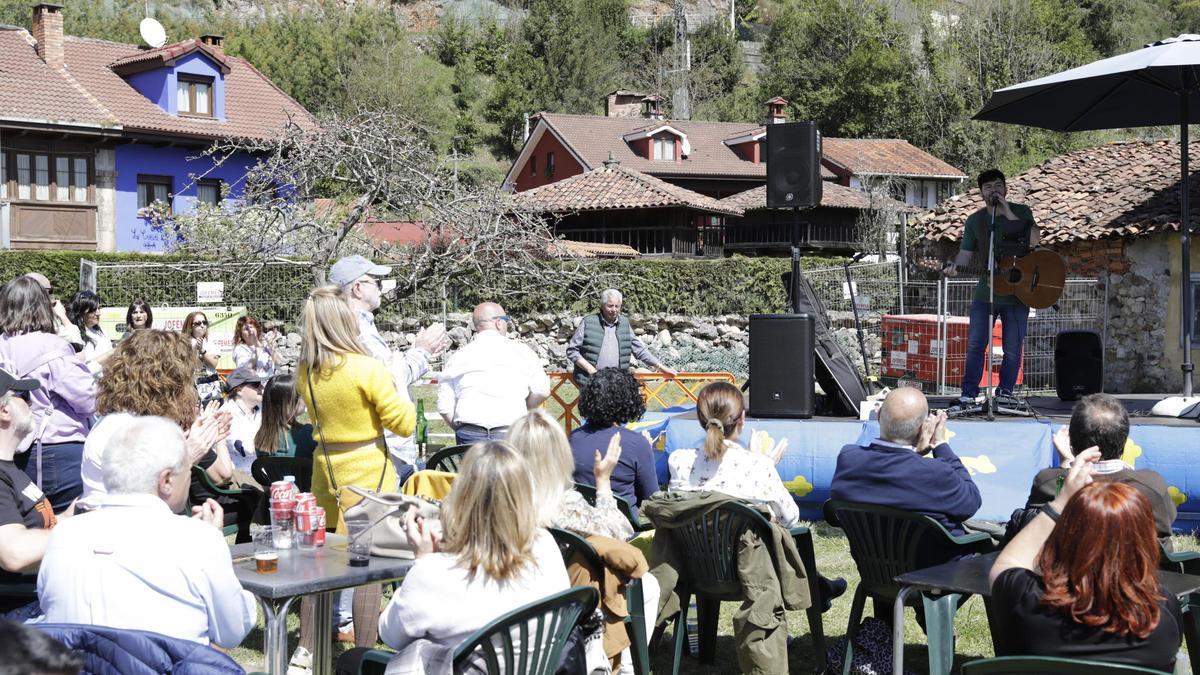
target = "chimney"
x: 48, y: 32
x: 775, y: 111
x: 217, y: 42
x: 652, y: 107
x: 622, y: 103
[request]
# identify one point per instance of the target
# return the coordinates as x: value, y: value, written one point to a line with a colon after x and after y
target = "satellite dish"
x: 152, y: 32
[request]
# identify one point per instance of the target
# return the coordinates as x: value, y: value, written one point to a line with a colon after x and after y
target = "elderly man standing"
x: 606, y: 340
x: 893, y: 470
x: 360, y: 281
x: 133, y: 563
x: 491, y: 381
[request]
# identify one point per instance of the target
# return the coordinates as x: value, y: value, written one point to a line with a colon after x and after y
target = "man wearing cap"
x: 25, y: 514
x: 360, y: 281
x: 606, y: 340
x: 62, y: 325
x: 491, y: 381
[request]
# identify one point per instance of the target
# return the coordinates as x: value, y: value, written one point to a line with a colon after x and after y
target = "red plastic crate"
x: 912, y: 350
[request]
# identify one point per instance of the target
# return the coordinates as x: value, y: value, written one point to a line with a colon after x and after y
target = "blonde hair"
x: 551, y: 465
x: 719, y: 407
x: 489, y: 519
x: 330, y: 331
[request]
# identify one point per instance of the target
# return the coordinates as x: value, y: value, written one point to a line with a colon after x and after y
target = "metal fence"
x: 915, y: 331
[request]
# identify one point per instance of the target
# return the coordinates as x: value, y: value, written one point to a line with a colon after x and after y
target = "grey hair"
x: 896, y: 427
x: 136, y: 454
x: 608, y: 294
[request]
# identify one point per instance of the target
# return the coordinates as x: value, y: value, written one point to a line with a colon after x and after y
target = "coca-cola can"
x: 306, y: 504
x: 283, y: 489
x: 319, y: 530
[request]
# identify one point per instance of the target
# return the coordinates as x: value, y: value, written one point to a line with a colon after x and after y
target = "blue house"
x: 92, y: 132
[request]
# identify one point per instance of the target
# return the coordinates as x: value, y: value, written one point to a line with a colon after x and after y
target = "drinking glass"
x: 358, y: 542
x: 266, y: 555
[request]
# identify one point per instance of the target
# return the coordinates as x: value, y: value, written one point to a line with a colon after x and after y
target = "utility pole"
x: 681, y: 96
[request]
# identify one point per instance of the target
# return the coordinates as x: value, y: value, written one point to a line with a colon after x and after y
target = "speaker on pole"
x: 793, y: 165
x: 781, y: 365
x: 1078, y: 364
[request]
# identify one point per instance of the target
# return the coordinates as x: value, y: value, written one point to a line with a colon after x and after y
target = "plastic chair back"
x: 1184, y: 562
x: 887, y: 542
x: 709, y: 544
x: 447, y: 459
x: 267, y: 470
x: 1048, y: 665
x: 528, y: 640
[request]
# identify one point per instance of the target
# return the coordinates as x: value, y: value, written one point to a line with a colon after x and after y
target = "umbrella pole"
x: 1185, y: 234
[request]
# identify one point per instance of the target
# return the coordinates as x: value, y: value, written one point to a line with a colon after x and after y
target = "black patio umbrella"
x: 1156, y: 85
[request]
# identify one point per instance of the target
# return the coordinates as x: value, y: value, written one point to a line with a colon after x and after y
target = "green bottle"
x: 421, y: 436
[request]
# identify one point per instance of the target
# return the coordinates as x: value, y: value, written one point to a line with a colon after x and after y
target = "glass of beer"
x: 266, y: 554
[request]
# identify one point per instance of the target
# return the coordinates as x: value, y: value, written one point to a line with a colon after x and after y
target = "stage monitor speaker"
x: 1078, y: 364
x: 782, y: 349
x: 793, y: 165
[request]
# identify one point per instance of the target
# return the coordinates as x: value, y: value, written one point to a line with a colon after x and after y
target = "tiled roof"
x: 566, y: 248
x: 613, y: 186
x: 89, y: 93
x: 594, y: 136
x: 885, y: 156
x: 832, y: 195
x: 166, y: 55
x: 1116, y: 190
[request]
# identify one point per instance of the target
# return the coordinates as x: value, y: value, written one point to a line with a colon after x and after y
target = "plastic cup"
x: 358, y: 542
x: 306, y: 541
x: 281, y: 519
x: 266, y: 554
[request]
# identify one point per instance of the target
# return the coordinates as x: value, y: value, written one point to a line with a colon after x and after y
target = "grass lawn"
x: 833, y: 560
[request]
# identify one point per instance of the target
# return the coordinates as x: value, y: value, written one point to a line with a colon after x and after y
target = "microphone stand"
x: 989, y: 397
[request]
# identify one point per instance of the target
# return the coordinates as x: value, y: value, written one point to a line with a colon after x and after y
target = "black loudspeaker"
x: 781, y: 365
x: 793, y: 165
x: 1078, y: 364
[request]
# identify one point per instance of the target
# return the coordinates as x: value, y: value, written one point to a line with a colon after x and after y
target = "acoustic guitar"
x: 1036, y: 278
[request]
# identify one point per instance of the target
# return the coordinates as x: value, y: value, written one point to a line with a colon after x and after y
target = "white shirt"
x: 739, y: 473
x: 407, y: 368
x: 439, y: 601
x: 92, y: 469
x: 133, y: 564
x: 487, y: 381
x: 243, y: 428
x: 97, y: 347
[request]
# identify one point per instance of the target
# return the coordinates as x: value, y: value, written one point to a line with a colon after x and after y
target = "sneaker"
x: 1006, y: 399
x: 964, y: 404
x: 301, y: 663
x: 345, y: 632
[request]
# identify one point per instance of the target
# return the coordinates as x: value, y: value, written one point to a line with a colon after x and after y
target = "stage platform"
x: 1002, y: 455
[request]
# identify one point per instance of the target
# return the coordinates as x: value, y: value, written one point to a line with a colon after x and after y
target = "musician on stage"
x: 1016, y: 235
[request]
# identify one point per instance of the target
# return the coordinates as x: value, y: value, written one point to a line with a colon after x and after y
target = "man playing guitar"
x: 1016, y: 234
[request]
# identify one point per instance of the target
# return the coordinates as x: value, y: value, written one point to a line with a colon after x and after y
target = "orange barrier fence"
x: 660, y: 391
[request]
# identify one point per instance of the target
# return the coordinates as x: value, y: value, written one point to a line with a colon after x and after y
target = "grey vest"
x: 593, y: 339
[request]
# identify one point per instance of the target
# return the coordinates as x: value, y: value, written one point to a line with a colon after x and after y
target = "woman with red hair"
x: 1085, y: 584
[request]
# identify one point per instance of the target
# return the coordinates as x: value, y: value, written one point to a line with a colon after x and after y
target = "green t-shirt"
x: 1008, y: 231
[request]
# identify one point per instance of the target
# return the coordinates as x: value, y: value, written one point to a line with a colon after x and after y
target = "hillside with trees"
x: 468, y: 72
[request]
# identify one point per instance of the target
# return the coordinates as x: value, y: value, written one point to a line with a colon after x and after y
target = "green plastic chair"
x: 267, y: 470
x: 545, y: 624
x: 199, y: 475
x: 635, y: 623
x: 1047, y: 665
x: 589, y: 495
x: 448, y: 458
x: 1184, y: 562
x: 708, y: 546
x: 887, y: 542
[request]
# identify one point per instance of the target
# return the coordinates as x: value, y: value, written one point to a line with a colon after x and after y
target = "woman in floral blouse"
x: 723, y: 465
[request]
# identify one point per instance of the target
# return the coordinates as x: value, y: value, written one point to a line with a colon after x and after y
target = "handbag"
x: 389, y: 513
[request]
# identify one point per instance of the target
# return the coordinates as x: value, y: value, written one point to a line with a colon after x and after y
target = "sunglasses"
x: 199, y: 323
x: 23, y: 395
x: 503, y: 317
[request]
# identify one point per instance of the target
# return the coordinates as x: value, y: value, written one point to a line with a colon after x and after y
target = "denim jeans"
x: 472, y: 434
x: 1014, y: 319
x: 61, y: 480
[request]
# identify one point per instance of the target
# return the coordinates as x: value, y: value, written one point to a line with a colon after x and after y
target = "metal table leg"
x: 939, y: 629
x: 275, y: 634
x: 322, y: 663
x: 898, y: 631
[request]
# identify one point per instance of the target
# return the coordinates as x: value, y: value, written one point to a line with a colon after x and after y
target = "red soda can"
x: 282, y: 489
x: 319, y: 531
x: 306, y: 503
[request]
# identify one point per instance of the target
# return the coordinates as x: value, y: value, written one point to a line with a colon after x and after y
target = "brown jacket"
x: 621, y: 563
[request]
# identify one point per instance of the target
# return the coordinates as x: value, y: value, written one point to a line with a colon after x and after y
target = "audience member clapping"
x: 208, y: 382
x: 610, y: 400
x: 491, y: 559
x: 133, y: 563
x: 1081, y: 579
x: 84, y: 313
x: 63, y: 406
x: 253, y: 349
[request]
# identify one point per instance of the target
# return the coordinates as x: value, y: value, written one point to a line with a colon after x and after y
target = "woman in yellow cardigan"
x: 351, y: 398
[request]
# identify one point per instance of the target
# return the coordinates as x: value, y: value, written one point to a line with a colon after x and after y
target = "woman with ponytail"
x: 723, y: 465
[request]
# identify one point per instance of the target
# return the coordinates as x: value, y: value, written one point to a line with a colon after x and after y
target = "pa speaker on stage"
x: 793, y: 165
x: 1078, y: 364
x: 781, y: 365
